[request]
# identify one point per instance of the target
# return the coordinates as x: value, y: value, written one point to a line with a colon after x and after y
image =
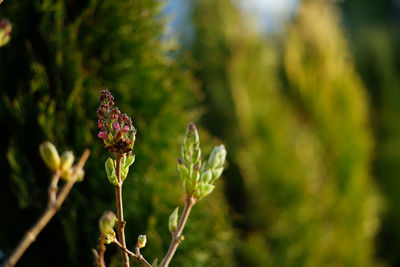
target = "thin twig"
x: 53, y: 187
x: 120, y: 211
x: 136, y: 255
x: 177, y: 234
x: 102, y: 249
x: 33, y: 232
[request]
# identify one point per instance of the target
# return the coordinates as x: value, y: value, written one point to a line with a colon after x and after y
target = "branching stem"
x: 177, y: 234
x: 136, y: 255
x: 54, y: 204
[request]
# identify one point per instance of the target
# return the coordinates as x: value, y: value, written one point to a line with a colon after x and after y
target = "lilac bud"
x: 126, y: 128
x: 102, y: 135
x: 116, y: 126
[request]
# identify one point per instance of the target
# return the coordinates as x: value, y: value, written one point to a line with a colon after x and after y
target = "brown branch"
x: 120, y: 211
x: 33, y: 232
x: 177, y: 234
x: 99, y: 255
x: 136, y: 255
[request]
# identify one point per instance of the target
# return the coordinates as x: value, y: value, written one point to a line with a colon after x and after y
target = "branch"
x: 177, y: 236
x: 136, y: 255
x: 52, y: 208
x: 99, y: 256
x: 120, y: 212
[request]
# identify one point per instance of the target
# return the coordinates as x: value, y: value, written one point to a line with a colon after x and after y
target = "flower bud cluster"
x: 116, y: 129
x: 198, y: 177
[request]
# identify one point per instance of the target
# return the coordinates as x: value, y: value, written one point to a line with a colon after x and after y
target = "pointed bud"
x: 216, y: 173
x: 173, y: 220
x: 196, y: 155
x: 141, y: 241
x: 217, y: 157
x: 80, y: 175
x: 107, y: 222
x: 67, y: 159
x: 110, y: 170
x: 50, y: 156
x: 130, y: 159
x: 109, y: 237
x: 191, y: 137
x: 204, y: 190
x: 183, y: 171
x: 206, y: 176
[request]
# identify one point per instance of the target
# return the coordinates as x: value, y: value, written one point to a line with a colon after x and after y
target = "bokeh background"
x: 304, y: 94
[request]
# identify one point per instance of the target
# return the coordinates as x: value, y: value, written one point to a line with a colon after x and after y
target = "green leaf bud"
x: 110, y: 170
x: 109, y: 237
x: 206, y: 176
x: 190, y: 186
x: 67, y: 159
x: 192, y: 137
x: 124, y: 173
x: 80, y: 175
x: 217, y: 157
x: 130, y: 159
x: 183, y: 171
x: 107, y: 222
x: 216, y: 173
x: 204, y: 190
x: 173, y: 220
x: 196, y: 155
x: 50, y: 156
x: 141, y: 241
x: 65, y: 175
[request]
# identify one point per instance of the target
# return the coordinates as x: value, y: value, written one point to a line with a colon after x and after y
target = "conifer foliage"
x: 300, y: 139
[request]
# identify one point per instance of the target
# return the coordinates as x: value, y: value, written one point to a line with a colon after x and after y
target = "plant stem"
x: 120, y: 211
x: 177, y: 234
x: 102, y: 250
x: 52, y: 208
x: 137, y: 256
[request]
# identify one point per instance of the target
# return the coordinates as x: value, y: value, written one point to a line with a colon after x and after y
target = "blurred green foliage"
x: 296, y: 123
x: 373, y: 29
x: 60, y: 56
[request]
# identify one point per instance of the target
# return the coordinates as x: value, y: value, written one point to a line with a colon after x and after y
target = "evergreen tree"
x: 302, y: 154
x: 60, y: 56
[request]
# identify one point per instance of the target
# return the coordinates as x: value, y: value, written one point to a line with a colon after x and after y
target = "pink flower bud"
x: 102, y: 135
x: 126, y: 128
x: 116, y: 126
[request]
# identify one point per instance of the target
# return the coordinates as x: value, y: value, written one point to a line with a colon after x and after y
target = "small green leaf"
x: 173, y: 220
x: 216, y: 173
x: 206, y: 176
x: 204, y: 190
x: 110, y: 170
